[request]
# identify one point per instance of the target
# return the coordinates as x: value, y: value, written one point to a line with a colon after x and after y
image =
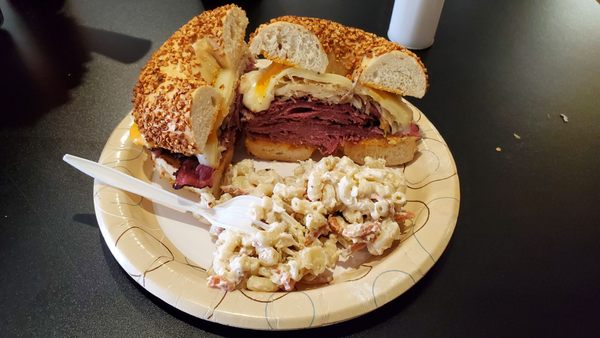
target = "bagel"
x: 266, y: 149
x: 320, y: 86
x: 394, y: 150
x: 364, y: 57
x: 184, y: 103
x: 326, y: 86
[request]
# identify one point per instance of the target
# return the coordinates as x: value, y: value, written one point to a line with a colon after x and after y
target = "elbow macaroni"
x: 326, y: 210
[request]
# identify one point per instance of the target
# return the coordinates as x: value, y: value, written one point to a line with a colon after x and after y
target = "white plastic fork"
x: 233, y: 214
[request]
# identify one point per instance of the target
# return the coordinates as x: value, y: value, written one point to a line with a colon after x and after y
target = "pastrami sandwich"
x: 327, y: 87
x: 186, y: 103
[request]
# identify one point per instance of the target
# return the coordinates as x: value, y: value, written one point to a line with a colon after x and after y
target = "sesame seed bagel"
x: 177, y: 101
x: 361, y: 56
x: 395, y: 150
x: 267, y: 149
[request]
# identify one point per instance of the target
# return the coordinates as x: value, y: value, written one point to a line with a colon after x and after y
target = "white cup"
x: 414, y: 22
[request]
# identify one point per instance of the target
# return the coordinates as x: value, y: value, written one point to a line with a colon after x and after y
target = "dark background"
x: 524, y: 256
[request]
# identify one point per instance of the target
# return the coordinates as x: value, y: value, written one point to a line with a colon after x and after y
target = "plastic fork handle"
x: 125, y: 182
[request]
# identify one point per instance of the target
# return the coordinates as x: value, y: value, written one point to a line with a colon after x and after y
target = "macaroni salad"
x: 311, y: 220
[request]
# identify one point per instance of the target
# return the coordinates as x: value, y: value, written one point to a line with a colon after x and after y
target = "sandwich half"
x: 186, y: 106
x: 323, y: 86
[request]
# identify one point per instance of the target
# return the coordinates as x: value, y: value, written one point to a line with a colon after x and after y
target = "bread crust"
x: 173, y: 78
x: 349, y: 46
x: 395, y: 150
x: 266, y: 149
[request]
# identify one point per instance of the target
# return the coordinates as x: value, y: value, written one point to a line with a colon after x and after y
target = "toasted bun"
x: 266, y: 149
x: 364, y: 57
x: 395, y: 150
x: 175, y: 104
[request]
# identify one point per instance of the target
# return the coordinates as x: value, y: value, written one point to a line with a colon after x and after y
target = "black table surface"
x: 523, y: 259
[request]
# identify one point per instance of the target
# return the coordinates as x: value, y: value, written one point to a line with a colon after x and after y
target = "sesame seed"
x: 162, y: 97
x: 349, y: 45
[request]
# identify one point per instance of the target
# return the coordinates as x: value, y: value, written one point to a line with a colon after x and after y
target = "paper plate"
x: 168, y: 253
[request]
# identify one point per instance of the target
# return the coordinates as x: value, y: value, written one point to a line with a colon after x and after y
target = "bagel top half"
x: 325, y: 46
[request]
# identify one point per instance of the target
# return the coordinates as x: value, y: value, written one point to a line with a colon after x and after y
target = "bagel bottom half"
x: 266, y: 149
x: 396, y: 150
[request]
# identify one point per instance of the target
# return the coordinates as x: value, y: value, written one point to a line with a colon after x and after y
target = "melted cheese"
x: 256, y: 86
x: 396, y: 112
x: 211, y: 154
x: 205, y: 65
x: 136, y: 137
x: 224, y: 83
x: 259, y: 86
x: 265, y: 78
x: 208, y: 66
